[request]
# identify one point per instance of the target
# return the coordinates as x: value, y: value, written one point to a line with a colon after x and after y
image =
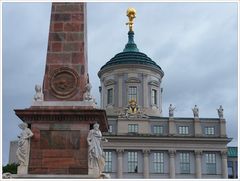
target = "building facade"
x: 142, y: 143
x: 232, y: 162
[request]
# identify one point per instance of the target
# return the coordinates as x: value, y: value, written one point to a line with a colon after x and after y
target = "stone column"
x: 172, y: 154
x: 146, y: 163
x: 198, y: 163
x: 119, y: 163
x: 224, y: 164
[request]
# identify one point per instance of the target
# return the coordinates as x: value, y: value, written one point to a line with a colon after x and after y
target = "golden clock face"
x: 64, y: 82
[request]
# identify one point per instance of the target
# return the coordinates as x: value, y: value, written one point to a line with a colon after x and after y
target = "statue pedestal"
x: 93, y: 172
x: 22, y: 170
x: 59, y: 144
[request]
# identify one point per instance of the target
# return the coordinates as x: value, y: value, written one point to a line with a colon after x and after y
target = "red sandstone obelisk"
x: 66, y: 66
x: 61, y: 121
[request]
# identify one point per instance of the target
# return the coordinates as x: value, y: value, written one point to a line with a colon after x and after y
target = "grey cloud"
x: 194, y: 43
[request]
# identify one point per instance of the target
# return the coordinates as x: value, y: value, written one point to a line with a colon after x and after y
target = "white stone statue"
x: 195, y: 111
x: 39, y: 95
x: 96, y: 158
x: 171, y: 110
x: 23, y: 148
x: 220, y: 112
x: 87, y: 94
x: 7, y: 175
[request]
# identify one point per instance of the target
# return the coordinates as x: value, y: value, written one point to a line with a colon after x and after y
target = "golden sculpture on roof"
x: 131, y: 14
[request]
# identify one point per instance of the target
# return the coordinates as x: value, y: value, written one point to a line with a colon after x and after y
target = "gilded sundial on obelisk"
x: 131, y: 14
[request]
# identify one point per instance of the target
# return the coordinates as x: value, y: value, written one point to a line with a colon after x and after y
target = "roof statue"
x: 171, y: 110
x: 220, y: 112
x: 131, y: 14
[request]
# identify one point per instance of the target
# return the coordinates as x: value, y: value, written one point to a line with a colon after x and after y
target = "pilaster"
x: 198, y: 164
x: 224, y: 164
x: 172, y: 154
x: 145, y: 91
x: 119, y: 163
x: 146, y: 163
x: 171, y: 125
x: 120, y: 93
x: 197, y: 127
x: 222, y: 127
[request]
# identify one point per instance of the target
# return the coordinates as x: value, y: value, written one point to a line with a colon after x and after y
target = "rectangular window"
x: 158, y: 162
x: 108, y: 161
x: 211, y: 163
x: 157, y: 129
x: 133, y: 128
x: 110, y: 96
x: 184, y: 130
x: 154, y: 97
x: 184, y: 162
x: 230, y: 169
x: 209, y: 131
x: 110, y: 129
x: 132, y: 162
x: 132, y: 93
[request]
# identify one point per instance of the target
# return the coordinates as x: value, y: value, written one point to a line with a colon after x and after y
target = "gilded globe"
x: 131, y: 11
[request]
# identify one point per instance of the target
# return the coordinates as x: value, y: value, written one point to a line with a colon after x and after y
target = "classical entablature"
x: 154, y: 83
x: 133, y: 80
x: 109, y: 82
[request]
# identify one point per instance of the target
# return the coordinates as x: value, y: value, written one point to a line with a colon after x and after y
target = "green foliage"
x: 12, y: 168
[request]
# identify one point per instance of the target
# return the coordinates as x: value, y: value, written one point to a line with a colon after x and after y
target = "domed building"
x: 141, y: 142
x: 131, y: 76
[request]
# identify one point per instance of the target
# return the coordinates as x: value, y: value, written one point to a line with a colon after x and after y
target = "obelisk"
x: 61, y: 116
x: 66, y: 65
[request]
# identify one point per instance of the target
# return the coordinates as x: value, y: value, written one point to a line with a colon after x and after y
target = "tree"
x: 12, y: 168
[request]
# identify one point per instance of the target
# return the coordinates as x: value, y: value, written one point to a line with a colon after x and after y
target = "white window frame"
x: 132, y: 128
x: 110, y: 130
x: 183, y: 130
x: 157, y: 129
x: 108, y: 102
x: 184, y: 158
x: 158, y: 162
x: 130, y: 96
x: 154, y: 96
x: 133, y: 162
x: 209, y: 130
x: 108, y: 161
x: 211, y: 163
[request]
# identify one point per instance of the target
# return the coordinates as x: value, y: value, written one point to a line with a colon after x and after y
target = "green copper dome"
x: 131, y: 55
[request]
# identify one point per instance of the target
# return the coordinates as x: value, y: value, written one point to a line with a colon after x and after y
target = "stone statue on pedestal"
x: 171, y: 110
x: 87, y: 94
x: 195, y: 112
x: 39, y: 95
x: 220, y: 112
x: 96, y: 158
x: 23, y: 148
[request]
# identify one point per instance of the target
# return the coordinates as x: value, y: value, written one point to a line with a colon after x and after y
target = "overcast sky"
x: 194, y: 43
